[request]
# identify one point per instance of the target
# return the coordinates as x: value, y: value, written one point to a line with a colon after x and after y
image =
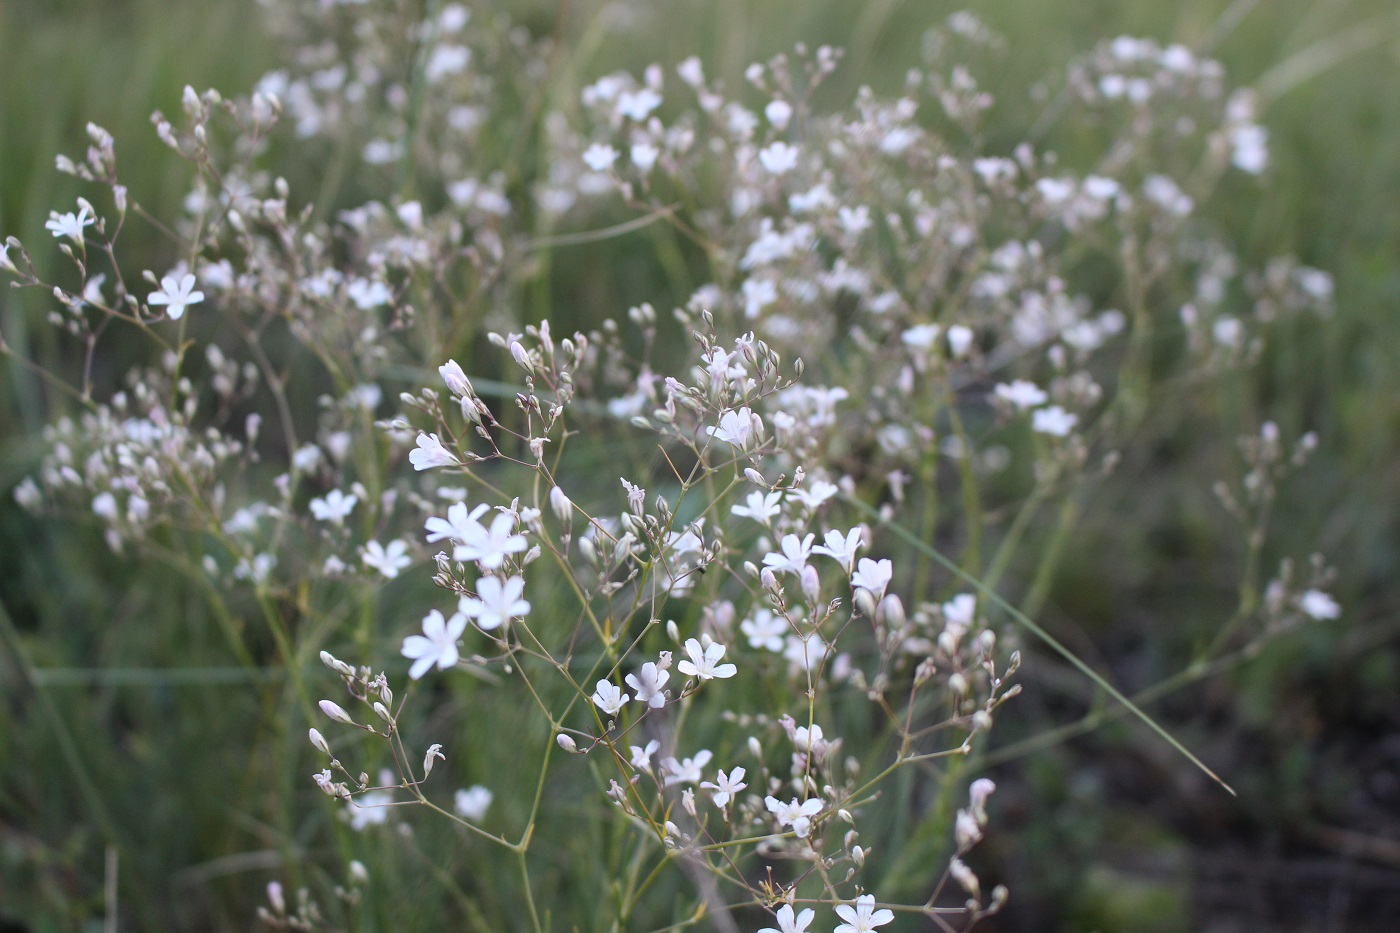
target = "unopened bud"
x: 318, y: 741
x: 334, y: 711
x: 567, y: 743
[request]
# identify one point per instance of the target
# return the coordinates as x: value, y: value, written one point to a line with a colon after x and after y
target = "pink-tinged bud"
x: 560, y: 504
x: 891, y: 612
x: 964, y: 876
x: 275, y: 898
x: 521, y: 358
x: 811, y: 584
x: 768, y: 579
x: 567, y: 743
x: 319, y: 742
x: 383, y: 713
x: 335, y: 712
x: 455, y: 378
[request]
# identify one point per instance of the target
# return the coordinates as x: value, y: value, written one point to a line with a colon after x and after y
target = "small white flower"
x: 644, y: 156
x: 686, y: 771
x: 637, y: 105
x: 1021, y: 393
x: 430, y: 757
x: 704, y: 661
x: 737, y: 428
x: 1054, y: 421
x: 779, y: 113
x: 490, y: 547
x: 495, y: 603
x: 863, y: 917
x: 795, y: 814
x: 778, y: 158
x: 790, y: 923
x: 455, y: 378
x: 437, y: 645
x: 333, y: 507
x: 599, y: 157
x: 760, y: 506
x: 726, y: 786
x: 648, y: 683
x: 765, y: 630
x: 609, y: 697
x: 176, y: 294
x: 841, y: 548
x: 70, y: 225
x: 430, y: 453
x: 471, y: 804
x: 1318, y: 605
x: 641, y: 757
x: 794, y: 556
x: 387, y: 560
x: 873, y: 576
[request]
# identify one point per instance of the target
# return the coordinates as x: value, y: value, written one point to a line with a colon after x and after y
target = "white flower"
x: 794, y: 556
x: 70, y: 225
x: 790, y: 923
x: 637, y: 105
x: 815, y: 495
x: 704, y: 661
x: 759, y: 506
x: 873, y: 576
x: 726, y: 786
x: 641, y: 757
x: 430, y: 453
x: 430, y: 758
x: 794, y: 814
x: 765, y: 630
x: 495, y: 603
x: 457, y: 382
x: 387, y: 560
x: 737, y: 428
x: 599, y: 157
x: 921, y: 337
x: 644, y: 156
x: 178, y: 294
x: 1021, y: 393
x: 471, y: 804
x: 334, y: 507
x: 436, y: 646
x: 368, y: 295
x: 489, y: 547
x: 841, y: 548
x: 778, y: 158
x: 1054, y: 420
x: 688, y: 770
x: 863, y: 917
x: 778, y: 112
x: 609, y: 697
x: 457, y: 526
x: 648, y: 682
x: 1318, y: 605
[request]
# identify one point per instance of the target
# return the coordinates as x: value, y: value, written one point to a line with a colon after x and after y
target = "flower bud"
x: 335, y: 712
x: 319, y: 742
x: 567, y: 743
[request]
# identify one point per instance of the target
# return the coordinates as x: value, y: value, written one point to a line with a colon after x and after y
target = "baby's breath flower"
x: 599, y: 157
x: 1054, y: 421
x: 70, y: 225
x: 334, y: 507
x: 387, y: 560
x: 430, y: 453
x: 496, y: 602
x: 177, y: 294
x: 687, y: 770
x: 609, y: 697
x: 863, y: 917
x: 795, y: 814
x: 726, y: 786
x: 790, y: 923
x: 471, y: 804
x: 1318, y: 605
x: 704, y: 661
x: 437, y: 645
x: 648, y: 683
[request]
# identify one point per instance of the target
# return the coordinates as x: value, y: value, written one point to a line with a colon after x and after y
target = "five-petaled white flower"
x: 841, y: 548
x: 495, y: 602
x: 599, y: 157
x: 471, y: 803
x: 737, y: 428
x: 609, y: 697
x: 648, y: 682
x: 176, y: 294
x: 1021, y: 393
x: 726, y: 786
x: 437, y: 645
x: 687, y: 770
x: 765, y: 630
x: 778, y: 158
x: 1318, y: 605
x: 873, y: 575
x: 430, y: 453
x: 641, y: 757
x: 489, y: 547
x: 1054, y: 421
x: 795, y: 814
x: 790, y: 923
x: 387, y: 560
x: 863, y: 917
x: 704, y: 660
x: 759, y: 506
x: 333, y: 507
x: 69, y: 225
x: 795, y: 554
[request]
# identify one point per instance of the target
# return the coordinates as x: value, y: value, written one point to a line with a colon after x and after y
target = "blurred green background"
x: 1105, y: 831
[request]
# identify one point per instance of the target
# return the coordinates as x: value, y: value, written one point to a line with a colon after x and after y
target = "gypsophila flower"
x: 495, y: 603
x: 765, y: 630
x: 599, y: 157
x: 778, y: 158
x: 333, y: 507
x: 471, y: 804
x: 704, y: 661
x: 760, y: 506
x: 726, y: 786
x: 1318, y: 605
x: 176, y: 294
x: 387, y: 560
x: 863, y: 917
x: 841, y: 548
x: 430, y: 453
x: 641, y: 757
x: 790, y: 923
x: 609, y: 697
x: 437, y: 645
x: 686, y: 771
x: 458, y: 526
x: 430, y: 757
x: 1021, y: 393
x: 737, y: 428
x: 70, y: 225
x: 490, y: 547
x: 873, y: 576
x: 795, y: 814
x: 648, y: 683
x: 1054, y: 421
x: 794, y: 556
